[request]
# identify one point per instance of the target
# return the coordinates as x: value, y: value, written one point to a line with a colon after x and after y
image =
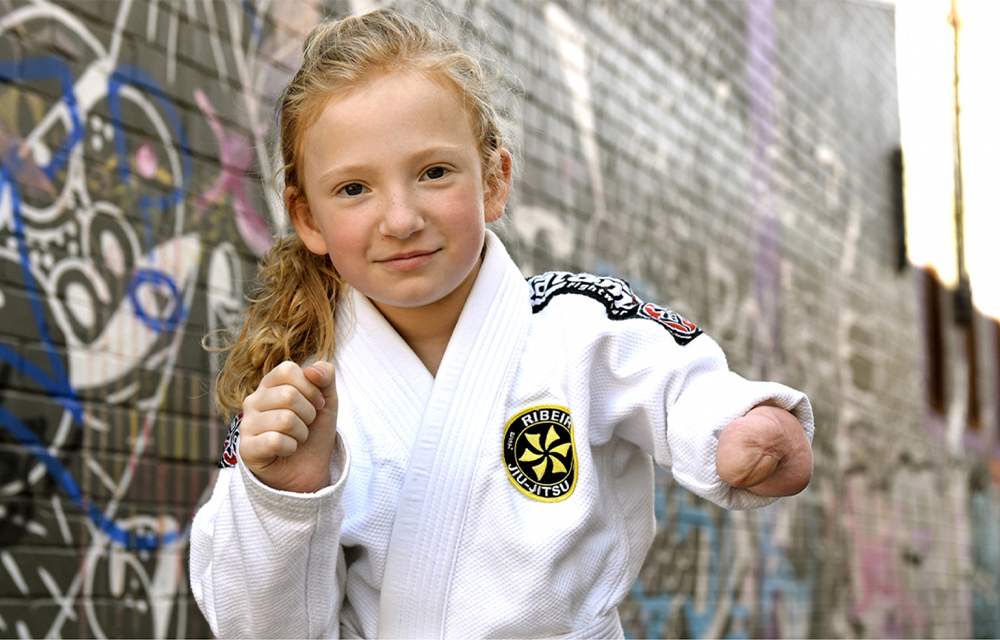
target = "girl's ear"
x: 303, y: 221
x: 498, y: 184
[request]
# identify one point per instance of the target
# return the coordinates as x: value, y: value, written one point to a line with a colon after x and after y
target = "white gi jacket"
x: 510, y: 496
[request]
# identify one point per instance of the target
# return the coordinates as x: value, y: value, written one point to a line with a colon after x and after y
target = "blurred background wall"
x: 737, y: 161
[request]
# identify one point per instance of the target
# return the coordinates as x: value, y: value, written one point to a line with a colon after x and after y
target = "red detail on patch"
x: 652, y: 310
x: 670, y: 319
x: 228, y: 457
x: 683, y: 325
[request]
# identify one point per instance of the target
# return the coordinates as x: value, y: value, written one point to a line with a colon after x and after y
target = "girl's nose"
x: 402, y: 217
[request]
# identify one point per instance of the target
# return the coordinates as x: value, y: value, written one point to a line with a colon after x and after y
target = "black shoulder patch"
x: 616, y: 296
x: 228, y: 457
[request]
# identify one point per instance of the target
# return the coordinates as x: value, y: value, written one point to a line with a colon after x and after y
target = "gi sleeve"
x: 658, y: 381
x: 268, y: 563
x: 705, y: 397
x: 674, y: 398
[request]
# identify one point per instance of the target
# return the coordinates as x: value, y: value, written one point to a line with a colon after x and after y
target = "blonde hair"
x: 290, y: 314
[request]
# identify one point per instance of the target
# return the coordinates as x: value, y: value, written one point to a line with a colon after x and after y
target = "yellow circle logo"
x: 539, y: 453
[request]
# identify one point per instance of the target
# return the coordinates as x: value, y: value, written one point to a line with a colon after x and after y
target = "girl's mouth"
x: 408, y: 261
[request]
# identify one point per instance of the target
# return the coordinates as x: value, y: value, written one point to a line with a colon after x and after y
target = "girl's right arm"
x: 266, y: 559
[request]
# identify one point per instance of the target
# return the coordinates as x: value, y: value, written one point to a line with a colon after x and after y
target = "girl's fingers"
x: 291, y: 374
x: 285, y: 422
x: 283, y: 398
x: 323, y: 377
x: 277, y: 416
x: 262, y: 449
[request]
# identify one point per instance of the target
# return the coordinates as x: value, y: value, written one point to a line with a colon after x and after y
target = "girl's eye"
x: 436, y: 173
x: 353, y: 189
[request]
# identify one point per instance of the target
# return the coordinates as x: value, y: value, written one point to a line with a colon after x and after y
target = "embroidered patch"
x: 539, y: 453
x: 228, y: 457
x: 616, y: 296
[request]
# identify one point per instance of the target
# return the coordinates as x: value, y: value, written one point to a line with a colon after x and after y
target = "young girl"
x: 475, y: 457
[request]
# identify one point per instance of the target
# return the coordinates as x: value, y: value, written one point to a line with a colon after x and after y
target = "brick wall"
x: 730, y: 159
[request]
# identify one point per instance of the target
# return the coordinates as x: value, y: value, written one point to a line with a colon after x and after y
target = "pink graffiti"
x: 880, y: 598
x: 145, y: 160
x: 236, y: 156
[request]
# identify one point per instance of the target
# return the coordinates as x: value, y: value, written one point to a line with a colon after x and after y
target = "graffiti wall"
x: 131, y: 208
x: 730, y: 159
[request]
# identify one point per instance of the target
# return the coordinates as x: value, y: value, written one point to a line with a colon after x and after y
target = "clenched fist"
x: 766, y: 452
x: 289, y: 427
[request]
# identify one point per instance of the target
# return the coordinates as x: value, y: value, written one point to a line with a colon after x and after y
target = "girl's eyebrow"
x: 423, y: 155
x: 342, y: 169
x: 430, y: 152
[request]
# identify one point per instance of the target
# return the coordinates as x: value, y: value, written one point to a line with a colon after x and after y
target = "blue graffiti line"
x: 986, y: 563
x: 693, y: 516
x: 258, y: 33
x: 20, y: 71
x: 65, y: 480
x: 48, y: 68
x: 778, y: 580
x: 59, y: 387
x: 130, y: 75
x: 157, y: 279
x: 654, y: 610
x: 147, y: 205
x: 656, y: 607
x: 55, y: 389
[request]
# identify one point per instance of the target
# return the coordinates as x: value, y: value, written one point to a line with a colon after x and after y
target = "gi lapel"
x: 379, y: 376
x: 465, y: 406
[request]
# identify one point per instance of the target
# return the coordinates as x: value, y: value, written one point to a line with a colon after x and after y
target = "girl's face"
x: 394, y: 191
